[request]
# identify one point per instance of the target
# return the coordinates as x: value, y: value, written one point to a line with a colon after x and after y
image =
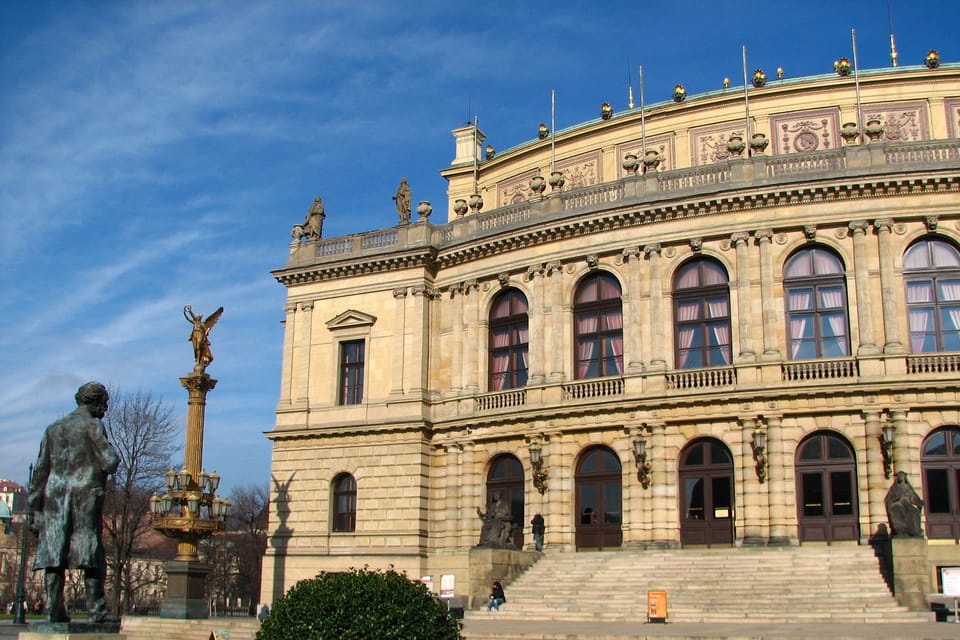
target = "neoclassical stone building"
x: 727, y: 325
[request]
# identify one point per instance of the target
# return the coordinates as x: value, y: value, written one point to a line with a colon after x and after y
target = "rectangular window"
x: 351, y: 372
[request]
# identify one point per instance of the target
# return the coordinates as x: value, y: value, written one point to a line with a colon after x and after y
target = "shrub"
x: 359, y: 604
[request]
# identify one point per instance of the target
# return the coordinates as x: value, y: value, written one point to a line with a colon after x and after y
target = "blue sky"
x: 156, y: 154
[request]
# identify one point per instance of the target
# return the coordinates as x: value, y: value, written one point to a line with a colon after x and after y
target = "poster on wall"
x: 427, y: 581
x: 447, y: 582
x: 950, y: 577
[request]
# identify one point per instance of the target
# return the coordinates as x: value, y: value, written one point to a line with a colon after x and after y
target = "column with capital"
x: 631, y: 314
x: 888, y: 288
x: 657, y: 357
x: 905, y: 457
x: 740, y: 241
x: 305, y: 333
x: 877, y: 482
x: 663, y: 531
x: 471, y: 290
x: 452, y: 505
x: 286, y: 377
x: 777, y: 460
x: 771, y: 315
x: 470, y: 498
x: 868, y: 345
x: 554, y: 271
x: 535, y: 337
x: 456, y: 343
x: 415, y: 352
x: 399, y: 341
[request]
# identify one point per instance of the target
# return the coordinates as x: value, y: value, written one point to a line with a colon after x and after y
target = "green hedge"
x: 359, y: 604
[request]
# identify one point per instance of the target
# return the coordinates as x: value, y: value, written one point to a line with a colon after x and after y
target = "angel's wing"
x: 212, y: 319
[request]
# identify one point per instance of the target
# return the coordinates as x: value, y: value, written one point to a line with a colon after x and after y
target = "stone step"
x: 154, y: 628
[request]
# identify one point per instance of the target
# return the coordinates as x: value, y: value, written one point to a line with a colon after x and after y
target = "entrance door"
x: 599, y: 500
x: 827, y: 489
x: 706, y: 502
x: 506, y: 478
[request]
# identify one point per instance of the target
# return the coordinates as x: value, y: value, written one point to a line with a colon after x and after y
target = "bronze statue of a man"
x: 66, y: 497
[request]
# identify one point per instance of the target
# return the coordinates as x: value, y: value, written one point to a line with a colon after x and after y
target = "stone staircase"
x: 155, y: 628
x: 809, y: 584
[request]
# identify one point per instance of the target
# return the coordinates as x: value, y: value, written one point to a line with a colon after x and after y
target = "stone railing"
x: 702, y: 378
x: 933, y: 363
x: 597, y: 388
x: 769, y: 168
x: 502, y: 400
x: 820, y: 370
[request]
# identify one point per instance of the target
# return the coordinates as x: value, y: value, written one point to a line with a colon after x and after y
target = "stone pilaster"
x: 657, y: 346
x: 861, y: 272
x: 740, y: 242
x: 771, y: 315
x: 889, y: 285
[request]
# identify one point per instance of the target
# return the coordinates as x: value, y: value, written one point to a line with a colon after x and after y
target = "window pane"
x: 841, y: 488
x: 611, y: 503
x: 722, y: 501
x: 837, y: 449
x: 938, y: 491
x: 695, y: 456
x: 936, y: 445
x: 812, y: 494
x: 719, y: 455
x: 693, y: 498
x: 812, y: 450
x: 589, y: 503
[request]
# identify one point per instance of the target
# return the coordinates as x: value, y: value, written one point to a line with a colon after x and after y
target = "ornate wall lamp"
x: 759, y: 446
x: 886, y: 448
x: 536, y: 463
x: 643, y: 467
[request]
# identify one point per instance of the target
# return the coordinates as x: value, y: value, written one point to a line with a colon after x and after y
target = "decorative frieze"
x: 709, y: 144
x: 663, y: 144
x: 805, y: 131
x: 902, y: 122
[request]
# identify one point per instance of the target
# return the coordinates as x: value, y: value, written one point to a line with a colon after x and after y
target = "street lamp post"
x: 19, y: 614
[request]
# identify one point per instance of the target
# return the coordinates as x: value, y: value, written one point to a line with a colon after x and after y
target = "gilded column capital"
x: 198, y: 383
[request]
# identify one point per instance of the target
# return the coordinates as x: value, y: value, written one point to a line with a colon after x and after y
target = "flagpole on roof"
x: 893, y: 45
x: 629, y: 84
x: 553, y: 130
x: 746, y: 98
x: 476, y: 152
x: 643, y: 123
x: 856, y: 81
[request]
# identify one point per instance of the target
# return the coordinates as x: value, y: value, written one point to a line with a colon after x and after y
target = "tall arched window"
x: 701, y: 297
x: 344, y: 503
x: 598, y: 325
x: 931, y: 271
x: 508, y: 341
x: 940, y: 460
x: 816, y: 300
x: 505, y: 478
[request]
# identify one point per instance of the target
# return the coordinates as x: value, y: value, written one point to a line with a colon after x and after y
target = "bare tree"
x: 141, y: 429
x: 248, y: 518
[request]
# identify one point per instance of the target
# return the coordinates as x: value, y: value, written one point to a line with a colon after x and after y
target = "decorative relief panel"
x: 953, y: 116
x: 515, y: 189
x: 803, y: 131
x: 663, y: 144
x: 902, y: 121
x: 581, y: 171
x: 709, y: 144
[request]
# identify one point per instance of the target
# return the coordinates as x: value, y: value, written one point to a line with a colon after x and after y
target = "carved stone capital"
x: 883, y: 225
x: 651, y: 250
x: 290, y: 307
x: 631, y: 253
x: 739, y: 238
x: 553, y: 267
x: 306, y: 306
x: 763, y: 235
x: 859, y: 227
x: 400, y: 292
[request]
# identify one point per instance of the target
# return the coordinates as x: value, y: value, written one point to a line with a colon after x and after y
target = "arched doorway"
x: 826, y: 489
x: 506, y: 477
x: 706, y: 501
x: 599, y: 500
x: 940, y: 460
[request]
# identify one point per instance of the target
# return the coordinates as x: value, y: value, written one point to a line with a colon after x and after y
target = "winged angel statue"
x: 199, y: 335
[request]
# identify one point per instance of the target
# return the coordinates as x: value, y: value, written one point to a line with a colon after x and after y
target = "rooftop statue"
x: 200, y: 335
x: 66, y: 498
x: 312, y: 227
x: 402, y: 199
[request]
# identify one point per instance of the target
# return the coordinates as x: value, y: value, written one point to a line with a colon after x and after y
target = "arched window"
x: 701, y: 297
x: 508, y: 341
x: 598, y: 325
x: 940, y: 460
x: 816, y: 301
x: 931, y: 271
x: 344, y: 503
x: 505, y: 478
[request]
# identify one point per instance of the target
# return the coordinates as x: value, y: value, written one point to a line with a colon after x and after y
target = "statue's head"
x: 93, y: 395
x: 901, y: 476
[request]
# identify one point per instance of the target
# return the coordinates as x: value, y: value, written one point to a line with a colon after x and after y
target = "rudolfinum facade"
x: 700, y: 325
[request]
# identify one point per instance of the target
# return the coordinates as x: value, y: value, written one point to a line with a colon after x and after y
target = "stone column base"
x: 72, y: 631
x: 185, y: 597
x: 911, y: 581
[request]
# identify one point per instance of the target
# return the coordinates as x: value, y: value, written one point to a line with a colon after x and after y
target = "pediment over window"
x: 351, y: 319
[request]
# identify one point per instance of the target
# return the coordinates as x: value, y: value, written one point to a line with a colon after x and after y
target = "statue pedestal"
x: 185, y: 597
x: 72, y: 631
x: 487, y: 565
x: 911, y: 579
